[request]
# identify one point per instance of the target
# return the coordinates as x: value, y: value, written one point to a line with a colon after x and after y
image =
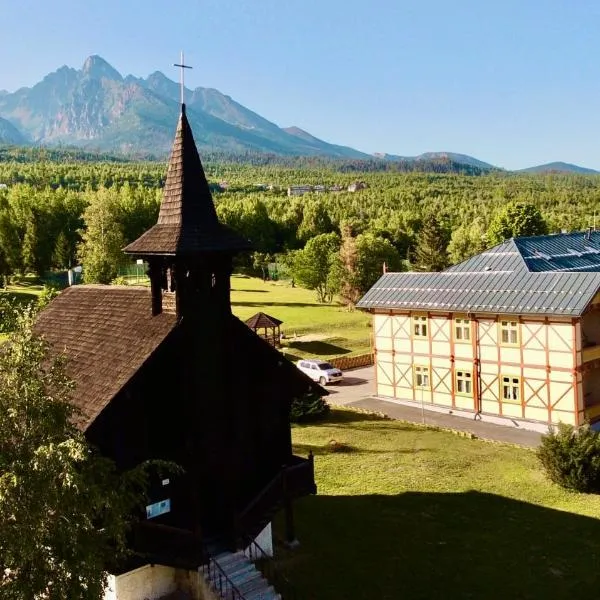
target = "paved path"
x: 358, y: 386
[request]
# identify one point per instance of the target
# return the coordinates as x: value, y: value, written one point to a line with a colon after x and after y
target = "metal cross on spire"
x: 182, y: 66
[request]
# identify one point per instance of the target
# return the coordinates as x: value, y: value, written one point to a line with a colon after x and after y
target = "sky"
x: 513, y: 83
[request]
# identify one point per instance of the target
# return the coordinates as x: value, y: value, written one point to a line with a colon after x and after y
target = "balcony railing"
x: 295, y: 480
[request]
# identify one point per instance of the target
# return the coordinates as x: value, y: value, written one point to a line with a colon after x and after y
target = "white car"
x: 320, y: 371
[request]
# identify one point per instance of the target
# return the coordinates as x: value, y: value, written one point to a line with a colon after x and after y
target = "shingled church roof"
x: 106, y: 333
x: 187, y: 222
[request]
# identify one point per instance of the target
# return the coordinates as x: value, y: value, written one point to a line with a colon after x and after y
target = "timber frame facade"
x: 503, y: 342
x: 547, y: 376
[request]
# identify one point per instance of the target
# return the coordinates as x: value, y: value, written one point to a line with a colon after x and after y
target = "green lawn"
x: 25, y: 289
x: 418, y: 513
x: 340, y: 332
x: 311, y: 329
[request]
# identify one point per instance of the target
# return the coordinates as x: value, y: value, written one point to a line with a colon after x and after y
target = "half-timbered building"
x: 511, y: 333
x: 167, y: 372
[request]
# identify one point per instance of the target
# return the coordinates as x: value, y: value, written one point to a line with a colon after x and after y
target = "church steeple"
x: 188, y: 250
x: 187, y: 222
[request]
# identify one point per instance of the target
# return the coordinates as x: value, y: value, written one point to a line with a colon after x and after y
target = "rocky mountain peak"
x: 95, y: 67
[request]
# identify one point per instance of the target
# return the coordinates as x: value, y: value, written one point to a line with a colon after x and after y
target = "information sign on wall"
x: 158, y: 508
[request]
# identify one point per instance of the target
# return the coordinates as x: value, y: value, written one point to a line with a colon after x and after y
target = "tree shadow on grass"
x: 20, y: 297
x: 291, y: 304
x: 448, y: 545
x: 340, y: 416
x: 318, y: 348
x: 252, y: 291
x: 340, y: 447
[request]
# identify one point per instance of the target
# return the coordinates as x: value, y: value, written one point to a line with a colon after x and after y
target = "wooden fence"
x: 352, y: 362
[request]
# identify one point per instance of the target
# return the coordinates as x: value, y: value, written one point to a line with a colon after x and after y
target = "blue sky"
x: 514, y: 83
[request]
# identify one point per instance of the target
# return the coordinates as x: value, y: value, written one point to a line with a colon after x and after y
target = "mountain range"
x: 559, y: 167
x: 96, y: 108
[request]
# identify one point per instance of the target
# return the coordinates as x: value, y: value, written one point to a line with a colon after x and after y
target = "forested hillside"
x: 46, y: 207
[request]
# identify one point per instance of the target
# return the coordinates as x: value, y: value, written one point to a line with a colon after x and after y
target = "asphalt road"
x: 358, y: 388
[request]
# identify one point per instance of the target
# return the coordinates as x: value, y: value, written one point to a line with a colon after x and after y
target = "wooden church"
x: 169, y: 373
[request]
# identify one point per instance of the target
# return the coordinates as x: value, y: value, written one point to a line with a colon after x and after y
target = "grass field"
x: 340, y: 332
x: 417, y: 513
x: 24, y: 291
x: 311, y: 329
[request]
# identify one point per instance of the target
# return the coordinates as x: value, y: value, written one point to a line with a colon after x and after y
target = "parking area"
x: 356, y: 385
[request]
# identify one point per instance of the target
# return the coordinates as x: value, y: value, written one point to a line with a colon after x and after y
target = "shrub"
x: 48, y: 293
x: 309, y: 407
x: 571, y: 457
x: 120, y: 280
x: 8, y: 313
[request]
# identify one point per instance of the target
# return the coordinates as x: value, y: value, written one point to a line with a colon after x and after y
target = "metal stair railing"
x: 267, y: 566
x: 221, y: 582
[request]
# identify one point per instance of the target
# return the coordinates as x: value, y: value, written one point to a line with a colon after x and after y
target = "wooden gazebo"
x: 266, y: 327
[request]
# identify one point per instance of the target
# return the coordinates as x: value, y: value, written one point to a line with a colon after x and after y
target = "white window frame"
x: 512, y: 330
x: 420, y: 326
x: 422, y: 377
x: 462, y: 326
x: 511, y: 389
x: 463, y: 378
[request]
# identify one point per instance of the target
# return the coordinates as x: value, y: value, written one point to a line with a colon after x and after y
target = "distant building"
x: 356, y: 186
x: 512, y: 333
x: 299, y: 190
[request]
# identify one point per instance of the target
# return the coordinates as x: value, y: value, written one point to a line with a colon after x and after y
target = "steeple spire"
x: 187, y: 222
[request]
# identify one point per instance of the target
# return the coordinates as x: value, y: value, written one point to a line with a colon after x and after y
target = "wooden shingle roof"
x: 261, y: 319
x: 187, y: 222
x: 107, y: 333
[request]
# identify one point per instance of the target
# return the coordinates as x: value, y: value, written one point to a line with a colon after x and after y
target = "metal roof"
x: 548, y: 274
x: 579, y: 251
x: 504, y: 257
x: 519, y: 292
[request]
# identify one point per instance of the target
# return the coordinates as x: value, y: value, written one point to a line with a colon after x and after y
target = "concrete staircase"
x: 233, y: 576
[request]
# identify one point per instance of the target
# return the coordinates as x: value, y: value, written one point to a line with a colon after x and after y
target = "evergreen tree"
x: 345, y: 268
x: 361, y: 262
x: 62, y: 257
x: 430, y: 253
x: 516, y: 219
x: 315, y: 220
x: 37, y: 242
x: 466, y: 241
